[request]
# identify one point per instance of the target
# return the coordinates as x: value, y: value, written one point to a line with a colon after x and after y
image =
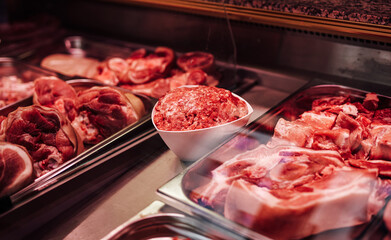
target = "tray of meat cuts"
x: 63, y: 128
x: 16, y: 80
x: 148, y: 70
x: 315, y: 166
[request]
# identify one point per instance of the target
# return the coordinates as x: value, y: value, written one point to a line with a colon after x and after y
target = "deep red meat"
x: 45, y: 133
x: 55, y: 93
x: 16, y: 168
x: 102, y: 111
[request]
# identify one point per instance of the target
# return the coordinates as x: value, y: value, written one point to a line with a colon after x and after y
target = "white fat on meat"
x: 87, y: 131
x: 341, y: 200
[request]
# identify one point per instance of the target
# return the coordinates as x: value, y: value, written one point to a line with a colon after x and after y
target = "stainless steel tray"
x: 10, y: 67
x: 177, y: 191
x: 161, y: 221
x: 230, y: 75
x: 92, y: 156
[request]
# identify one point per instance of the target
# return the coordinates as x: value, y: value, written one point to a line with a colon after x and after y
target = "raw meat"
x: 16, y: 168
x: 55, y: 93
x: 196, y: 60
x: 197, y: 107
x: 102, y: 111
x: 143, y: 69
x: 46, y: 134
x: 71, y: 65
x: 13, y: 89
x: 327, y: 169
x: 157, y: 88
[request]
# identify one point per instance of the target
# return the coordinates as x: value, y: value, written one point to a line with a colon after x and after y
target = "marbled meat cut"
x: 197, y: 107
x: 55, y: 93
x: 46, y: 134
x: 328, y: 168
x: 102, y: 111
x: 16, y: 168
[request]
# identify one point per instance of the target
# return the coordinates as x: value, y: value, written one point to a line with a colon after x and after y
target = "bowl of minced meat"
x: 193, y: 120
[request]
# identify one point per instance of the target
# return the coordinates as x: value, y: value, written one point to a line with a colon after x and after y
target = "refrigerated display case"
x: 264, y: 51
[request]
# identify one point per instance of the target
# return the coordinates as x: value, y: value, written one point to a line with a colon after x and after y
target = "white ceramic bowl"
x: 190, y: 145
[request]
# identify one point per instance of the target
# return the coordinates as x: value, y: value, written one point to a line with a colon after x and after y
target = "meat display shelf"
x: 108, y: 194
x: 112, y: 153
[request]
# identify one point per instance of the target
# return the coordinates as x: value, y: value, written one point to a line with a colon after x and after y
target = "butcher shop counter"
x: 94, y: 203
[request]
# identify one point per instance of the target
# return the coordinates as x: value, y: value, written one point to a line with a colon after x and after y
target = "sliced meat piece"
x: 317, y: 206
x: 371, y: 101
x: 301, y: 131
x: 112, y: 70
x: 196, y: 60
x: 382, y: 167
x: 71, y: 65
x: 55, y: 93
x: 273, y: 168
x: 192, y: 77
x: 380, y: 142
x: 46, y: 134
x: 146, y: 68
x: 325, y: 103
x: 104, y: 111
x: 16, y: 168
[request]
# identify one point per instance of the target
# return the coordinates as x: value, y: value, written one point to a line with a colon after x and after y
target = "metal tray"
x: 92, y: 156
x: 160, y: 221
x: 24, y: 72
x: 230, y: 75
x: 176, y: 192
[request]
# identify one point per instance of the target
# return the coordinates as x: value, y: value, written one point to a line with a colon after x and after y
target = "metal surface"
x: 167, y: 223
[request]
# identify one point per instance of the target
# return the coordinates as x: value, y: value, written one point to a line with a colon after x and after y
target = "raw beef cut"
x: 55, y: 93
x: 196, y: 60
x: 16, y: 168
x: 46, y: 134
x: 144, y: 68
x: 102, y: 111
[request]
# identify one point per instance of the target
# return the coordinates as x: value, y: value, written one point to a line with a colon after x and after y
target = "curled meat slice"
x: 112, y: 70
x: 55, y: 93
x: 196, y: 60
x: 46, y: 134
x: 16, y: 168
x: 143, y: 69
x: 103, y: 111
